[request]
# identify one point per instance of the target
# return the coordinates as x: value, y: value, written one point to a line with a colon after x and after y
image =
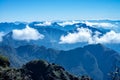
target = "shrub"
x: 4, y: 62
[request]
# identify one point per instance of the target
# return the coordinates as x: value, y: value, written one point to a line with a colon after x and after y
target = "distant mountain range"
x: 55, y: 33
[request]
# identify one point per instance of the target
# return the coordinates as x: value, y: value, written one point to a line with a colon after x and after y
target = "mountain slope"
x: 106, y: 58
x: 94, y: 60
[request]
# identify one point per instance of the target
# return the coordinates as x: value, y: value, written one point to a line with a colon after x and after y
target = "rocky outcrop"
x: 36, y: 70
x: 42, y: 70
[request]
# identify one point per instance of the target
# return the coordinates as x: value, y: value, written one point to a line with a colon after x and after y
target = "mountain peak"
x: 96, y: 46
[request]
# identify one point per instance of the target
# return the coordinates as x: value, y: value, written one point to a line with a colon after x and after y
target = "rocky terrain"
x: 35, y: 70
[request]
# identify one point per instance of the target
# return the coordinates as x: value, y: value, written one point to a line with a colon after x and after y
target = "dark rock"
x: 42, y: 70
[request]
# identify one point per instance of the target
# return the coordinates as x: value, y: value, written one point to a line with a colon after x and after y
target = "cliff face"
x: 37, y: 70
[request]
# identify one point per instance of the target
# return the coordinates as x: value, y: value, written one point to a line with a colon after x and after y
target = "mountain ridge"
x: 99, y: 58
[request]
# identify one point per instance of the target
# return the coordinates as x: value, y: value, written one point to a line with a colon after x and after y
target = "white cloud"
x: 46, y: 23
x: 109, y: 37
x: 86, y: 35
x: 1, y: 36
x: 27, y: 33
x: 100, y: 24
x: 64, y: 23
x: 83, y: 35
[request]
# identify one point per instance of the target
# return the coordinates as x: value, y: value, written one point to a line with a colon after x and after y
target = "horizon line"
x: 62, y: 20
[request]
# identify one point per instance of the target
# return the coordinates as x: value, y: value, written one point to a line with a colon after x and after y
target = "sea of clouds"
x: 86, y: 35
x: 81, y: 35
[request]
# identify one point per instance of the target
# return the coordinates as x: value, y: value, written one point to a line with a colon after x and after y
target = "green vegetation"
x: 4, y: 61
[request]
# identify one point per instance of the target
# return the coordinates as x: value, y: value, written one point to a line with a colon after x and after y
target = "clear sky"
x: 39, y: 10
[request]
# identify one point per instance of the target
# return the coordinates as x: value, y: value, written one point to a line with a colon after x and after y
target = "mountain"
x: 71, y: 44
x: 7, y: 27
x: 94, y: 60
x: 53, y: 31
x: 10, y: 52
x: 52, y: 34
x: 35, y: 70
x: 51, y: 38
x: 30, y: 52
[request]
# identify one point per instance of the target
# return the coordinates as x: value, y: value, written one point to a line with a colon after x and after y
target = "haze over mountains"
x: 79, y: 46
x: 63, y: 35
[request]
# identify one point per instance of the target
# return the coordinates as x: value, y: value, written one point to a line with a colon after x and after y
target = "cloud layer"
x: 109, y: 37
x: 64, y: 23
x: 27, y: 33
x: 99, y: 24
x: 46, y: 23
x: 86, y: 35
x: 83, y: 35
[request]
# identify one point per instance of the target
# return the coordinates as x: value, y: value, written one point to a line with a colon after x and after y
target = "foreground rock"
x: 37, y: 70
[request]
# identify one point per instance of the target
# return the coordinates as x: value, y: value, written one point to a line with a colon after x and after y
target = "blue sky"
x: 42, y: 10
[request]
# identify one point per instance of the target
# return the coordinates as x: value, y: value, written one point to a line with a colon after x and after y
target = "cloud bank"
x: 86, y: 35
x: 83, y: 35
x: 100, y: 24
x: 27, y: 34
x: 1, y: 36
x: 46, y: 23
x: 64, y: 23
x: 109, y: 37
